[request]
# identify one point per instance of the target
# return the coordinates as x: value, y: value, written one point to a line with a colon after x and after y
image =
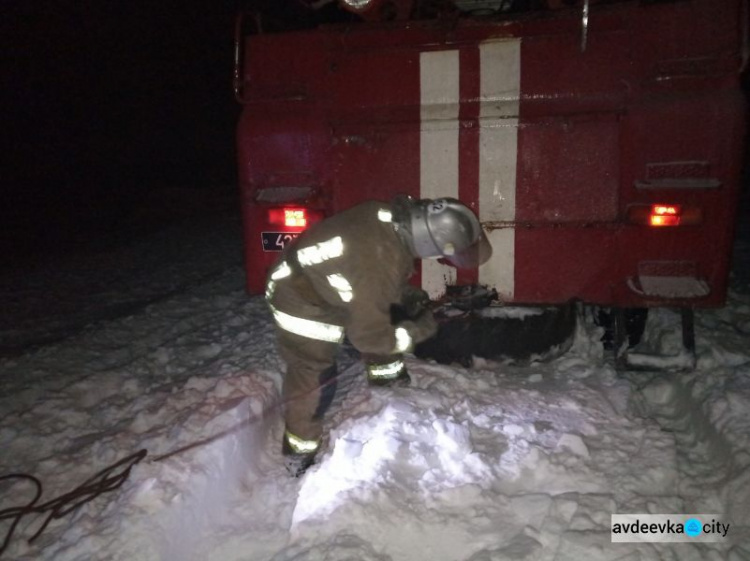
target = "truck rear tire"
x: 517, y: 334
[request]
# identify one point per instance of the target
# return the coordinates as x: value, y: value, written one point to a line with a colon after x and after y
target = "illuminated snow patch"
x: 186, y: 497
x: 202, y: 485
x: 420, y: 448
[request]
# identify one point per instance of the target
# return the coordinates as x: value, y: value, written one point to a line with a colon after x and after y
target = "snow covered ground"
x: 155, y: 345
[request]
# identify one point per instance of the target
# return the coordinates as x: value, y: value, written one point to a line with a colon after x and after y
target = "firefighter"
x: 348, y: 276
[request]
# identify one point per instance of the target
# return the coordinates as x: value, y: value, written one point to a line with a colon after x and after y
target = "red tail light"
x: 665, y: 215
x: 294, y: 217
x: 662, y: 215
x: 289, y: 217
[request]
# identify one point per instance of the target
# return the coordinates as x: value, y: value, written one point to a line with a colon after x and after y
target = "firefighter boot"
x: 390, y: 372
x: 299, y: 454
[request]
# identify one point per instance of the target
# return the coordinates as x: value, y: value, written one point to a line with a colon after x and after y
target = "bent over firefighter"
x: 347, y: 276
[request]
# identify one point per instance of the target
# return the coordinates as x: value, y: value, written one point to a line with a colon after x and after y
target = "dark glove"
x: 414, y: 303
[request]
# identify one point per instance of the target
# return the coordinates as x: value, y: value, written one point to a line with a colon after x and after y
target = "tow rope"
x: 107, y: 480
x: 113, y: 477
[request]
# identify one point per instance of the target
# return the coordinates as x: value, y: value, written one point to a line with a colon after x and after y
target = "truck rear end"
x: 600, y: 147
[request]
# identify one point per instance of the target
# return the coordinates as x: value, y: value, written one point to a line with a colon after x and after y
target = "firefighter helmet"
x: 445, y: 227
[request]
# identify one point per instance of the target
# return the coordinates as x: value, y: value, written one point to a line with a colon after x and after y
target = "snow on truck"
x: 598, y: 142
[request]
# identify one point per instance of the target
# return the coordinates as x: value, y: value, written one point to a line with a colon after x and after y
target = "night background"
x: 116, y: 117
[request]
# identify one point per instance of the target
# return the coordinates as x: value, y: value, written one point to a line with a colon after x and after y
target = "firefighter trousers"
x: 310, y: 380
x: 309, y: 383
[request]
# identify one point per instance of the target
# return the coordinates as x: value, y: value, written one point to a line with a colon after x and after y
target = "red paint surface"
x: 338, y: 110
x: 468, y: 140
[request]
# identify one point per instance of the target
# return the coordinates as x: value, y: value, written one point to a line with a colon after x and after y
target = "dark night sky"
x: 105, y: 101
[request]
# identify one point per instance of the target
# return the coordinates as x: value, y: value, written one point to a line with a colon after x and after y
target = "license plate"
x: 276, y: 241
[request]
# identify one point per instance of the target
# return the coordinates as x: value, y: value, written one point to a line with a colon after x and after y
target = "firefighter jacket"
x: 341, y: 276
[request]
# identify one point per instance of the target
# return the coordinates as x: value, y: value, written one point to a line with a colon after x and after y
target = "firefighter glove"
x: 414, y: 303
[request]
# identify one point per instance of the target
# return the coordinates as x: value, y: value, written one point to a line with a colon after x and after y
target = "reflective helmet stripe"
x: 300, y: 445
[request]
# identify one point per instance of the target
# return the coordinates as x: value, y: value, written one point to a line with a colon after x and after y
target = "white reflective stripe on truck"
x: 500, y: 89
x: 438, y: 146
x: 500, y: 85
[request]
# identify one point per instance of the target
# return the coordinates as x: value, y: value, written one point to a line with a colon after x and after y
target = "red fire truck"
x: 599, y: 142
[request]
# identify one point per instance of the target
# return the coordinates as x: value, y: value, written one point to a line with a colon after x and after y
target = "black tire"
x: 545, y: 334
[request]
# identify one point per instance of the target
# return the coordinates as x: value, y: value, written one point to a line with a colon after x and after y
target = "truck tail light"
x: 288, y: 217
x: 293, y: 217
x: 665, y: 215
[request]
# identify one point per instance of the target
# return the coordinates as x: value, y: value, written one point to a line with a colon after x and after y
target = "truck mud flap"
x: 517, y: 334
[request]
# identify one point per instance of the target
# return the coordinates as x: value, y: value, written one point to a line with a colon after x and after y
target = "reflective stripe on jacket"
x: 345, y: 271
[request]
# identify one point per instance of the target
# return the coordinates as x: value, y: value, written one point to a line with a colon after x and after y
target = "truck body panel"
x: 563, y: 151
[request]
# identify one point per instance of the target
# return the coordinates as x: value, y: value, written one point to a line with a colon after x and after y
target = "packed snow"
x: 489, y: 463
